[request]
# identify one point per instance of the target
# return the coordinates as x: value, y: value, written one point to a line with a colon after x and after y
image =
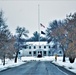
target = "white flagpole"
x: 39, y: 21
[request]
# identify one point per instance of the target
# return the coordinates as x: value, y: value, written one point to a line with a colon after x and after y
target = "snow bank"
x: 67, y: 64
x: 10, y: 64
x: 46, y: 58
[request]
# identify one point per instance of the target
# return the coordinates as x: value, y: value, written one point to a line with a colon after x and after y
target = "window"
x: 29, y: 52
x: 29, y: 47
x: 44, y: 46
x: 25, y: 47
x: 34, y: 47
x: 49, y: 52
x: 49, y: 46
x: 60, y: 52
x: 39, y: 46
x: 38, y: 52
x: 34, y: 52
x: 19, y: 53
x: 44, y: 52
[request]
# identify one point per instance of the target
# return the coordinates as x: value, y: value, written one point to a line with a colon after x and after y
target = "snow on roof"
x: 40, y: 43
x: 37, y: 43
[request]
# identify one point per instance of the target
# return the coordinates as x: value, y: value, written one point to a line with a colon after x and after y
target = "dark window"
x: 34, y: 52
x: 29, y: 47
x: 19, y: 53
x: 29, y: 52
x: 34, y: 47
x: 44, y: 46
x: 39, y: 46
x: 38, y: 52
x: 49, y: 52
x: 41, y: 52
x: 60, y: 52
x: 25, y: 47
x: 49, y: 46
x: 44, y: 52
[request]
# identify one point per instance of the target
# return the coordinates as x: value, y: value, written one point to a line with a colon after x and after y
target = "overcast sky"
x: 25, y: 13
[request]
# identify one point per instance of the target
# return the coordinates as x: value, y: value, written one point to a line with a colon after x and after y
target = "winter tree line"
x: 11, y: 44
x: 62, y: 31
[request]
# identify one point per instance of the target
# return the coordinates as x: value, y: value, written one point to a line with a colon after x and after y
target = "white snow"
x: 9, y: 64
x: 37, y: 43
x: 40, y: 43
x: 67, y: 64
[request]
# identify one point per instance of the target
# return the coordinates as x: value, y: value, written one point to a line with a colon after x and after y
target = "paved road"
x: 35, y: 68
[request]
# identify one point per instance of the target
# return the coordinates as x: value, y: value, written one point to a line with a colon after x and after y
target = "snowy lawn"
x: 67, y: 64
x: 10, y: 64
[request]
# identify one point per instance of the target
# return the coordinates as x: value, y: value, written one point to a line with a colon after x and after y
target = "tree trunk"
x: 16, y: 56
x: 63, y: 57
x: 63, y: 54
x: 4, y: 59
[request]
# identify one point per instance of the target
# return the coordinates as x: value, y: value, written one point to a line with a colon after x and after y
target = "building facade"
x: 38, y: 49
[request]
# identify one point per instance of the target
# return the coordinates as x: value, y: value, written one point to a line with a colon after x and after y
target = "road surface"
x: 35, y: 68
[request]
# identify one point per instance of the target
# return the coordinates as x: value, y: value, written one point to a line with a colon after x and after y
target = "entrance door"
x: 39, y: 54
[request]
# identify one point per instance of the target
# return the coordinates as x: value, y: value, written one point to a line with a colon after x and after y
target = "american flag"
x: 42, y: 25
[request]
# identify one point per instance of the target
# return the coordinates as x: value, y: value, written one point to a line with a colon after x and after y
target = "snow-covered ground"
x: 10, y: 64
x: 67, y: 64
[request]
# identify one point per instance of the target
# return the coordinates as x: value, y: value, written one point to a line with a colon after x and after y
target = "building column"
x: 32, y: 53
x: 47, y: 53
x: 42, y: 53
x: 36, y: 53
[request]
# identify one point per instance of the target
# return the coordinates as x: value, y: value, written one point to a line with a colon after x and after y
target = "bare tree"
x: 4, y: 37
x: 71, y: 28
x: 65, y: 33
x: 20, y: 31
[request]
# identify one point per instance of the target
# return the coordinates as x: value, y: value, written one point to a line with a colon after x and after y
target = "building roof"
x: 40, y: 43
x: 37, y: 43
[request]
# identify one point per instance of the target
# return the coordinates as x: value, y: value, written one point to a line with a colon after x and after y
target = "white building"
x: 38, y: 49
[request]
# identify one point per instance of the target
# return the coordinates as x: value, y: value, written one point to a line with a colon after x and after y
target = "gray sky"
x: 25, y: 13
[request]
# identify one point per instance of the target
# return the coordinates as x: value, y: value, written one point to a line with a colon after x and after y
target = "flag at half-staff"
x: 42, y: 25
x: 42, y: 32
